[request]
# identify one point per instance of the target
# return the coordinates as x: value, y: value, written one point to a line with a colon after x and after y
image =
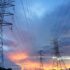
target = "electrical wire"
x: 28, y: 21
x: 25, y: 15
x: 17, y: 29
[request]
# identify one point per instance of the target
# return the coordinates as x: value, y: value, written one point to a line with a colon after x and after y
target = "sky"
x: 36, y: 23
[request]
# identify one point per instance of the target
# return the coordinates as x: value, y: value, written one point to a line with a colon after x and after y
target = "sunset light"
x: 34, y: 34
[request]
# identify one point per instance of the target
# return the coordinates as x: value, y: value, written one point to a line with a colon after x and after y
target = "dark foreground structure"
x: 5, y: 69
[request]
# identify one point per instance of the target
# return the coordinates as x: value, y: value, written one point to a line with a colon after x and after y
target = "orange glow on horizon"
x: 16, y: 57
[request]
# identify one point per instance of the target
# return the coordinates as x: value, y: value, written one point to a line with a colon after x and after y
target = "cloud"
x: 32, y: 37
x: 9, y: 64
x: 8, y: 45
x: 17, y: 56
x: 61, y: 19
x: 55, y: 24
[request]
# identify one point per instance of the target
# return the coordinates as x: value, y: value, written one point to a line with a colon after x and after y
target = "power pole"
x: 59, y: 63
x: 6, y: 13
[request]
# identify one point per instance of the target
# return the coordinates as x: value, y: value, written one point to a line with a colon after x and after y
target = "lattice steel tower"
x: 6, y: 14
x: 58, y: 63
x: 41, y: 59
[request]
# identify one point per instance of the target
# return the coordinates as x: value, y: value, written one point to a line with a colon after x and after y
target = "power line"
x: 25, y: 15
x: 26, y: 11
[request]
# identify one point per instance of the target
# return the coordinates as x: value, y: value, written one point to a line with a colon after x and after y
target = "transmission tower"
x: 6, y: 14
x: 41, y: 59
x: 57, y: 62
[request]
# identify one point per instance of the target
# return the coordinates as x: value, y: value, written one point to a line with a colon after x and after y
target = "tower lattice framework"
x: 6, y: 14
x: 58, y: 63
x: 41, y: 59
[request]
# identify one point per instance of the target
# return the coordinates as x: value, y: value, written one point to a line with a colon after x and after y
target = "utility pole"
x: 6, y: 14
x: 59, y: 63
